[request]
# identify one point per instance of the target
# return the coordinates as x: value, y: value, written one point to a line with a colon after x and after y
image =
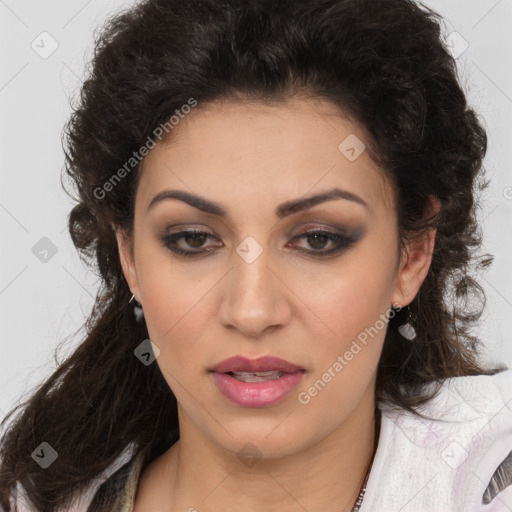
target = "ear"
x: 127, y: 261
x: 416, y: 261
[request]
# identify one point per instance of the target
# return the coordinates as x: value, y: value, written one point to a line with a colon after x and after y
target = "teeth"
x: 256, y: 376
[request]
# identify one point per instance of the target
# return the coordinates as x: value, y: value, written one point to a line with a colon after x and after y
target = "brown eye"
x: 192, y: 239
x: 318, y: 239
x: 191, y: 243
x: 195, y: 239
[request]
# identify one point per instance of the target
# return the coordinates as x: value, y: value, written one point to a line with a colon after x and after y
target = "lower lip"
x: 256, y: 394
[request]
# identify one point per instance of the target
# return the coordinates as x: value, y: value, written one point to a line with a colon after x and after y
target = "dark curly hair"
x: 385, y: 64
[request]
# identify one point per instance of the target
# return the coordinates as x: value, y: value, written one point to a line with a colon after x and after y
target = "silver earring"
x: 407, y: 330
x: 137, y: 309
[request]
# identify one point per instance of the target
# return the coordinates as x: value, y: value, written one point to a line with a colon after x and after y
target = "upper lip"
x: 260, y: 364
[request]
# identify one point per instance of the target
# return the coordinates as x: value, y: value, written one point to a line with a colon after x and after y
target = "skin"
x: 251, y: 157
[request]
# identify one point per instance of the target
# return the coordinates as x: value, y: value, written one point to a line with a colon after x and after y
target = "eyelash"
x: 342, y: 243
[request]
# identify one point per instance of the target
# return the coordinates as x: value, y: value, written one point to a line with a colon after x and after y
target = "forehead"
x: 241, y: 150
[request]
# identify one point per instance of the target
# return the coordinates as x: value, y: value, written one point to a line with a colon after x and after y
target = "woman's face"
x: 256, y: 284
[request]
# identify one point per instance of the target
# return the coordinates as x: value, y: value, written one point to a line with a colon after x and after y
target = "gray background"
x: 42, y: 304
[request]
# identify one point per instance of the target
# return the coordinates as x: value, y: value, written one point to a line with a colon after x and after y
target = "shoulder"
x: 459, y: 455
x: 117, y: 492
x: 105, y: 493
x: 111, y: 491
x: 480, y: 405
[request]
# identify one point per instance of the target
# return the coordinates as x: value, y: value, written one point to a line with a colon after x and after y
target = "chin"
x: 263, y: 440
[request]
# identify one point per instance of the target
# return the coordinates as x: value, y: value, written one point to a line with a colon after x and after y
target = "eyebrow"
x: 283, y: 210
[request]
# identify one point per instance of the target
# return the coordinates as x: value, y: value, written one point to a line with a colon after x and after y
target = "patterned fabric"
x: 501, y: 479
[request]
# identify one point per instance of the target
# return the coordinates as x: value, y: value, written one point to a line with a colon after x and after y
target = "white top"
x: 445, y: 466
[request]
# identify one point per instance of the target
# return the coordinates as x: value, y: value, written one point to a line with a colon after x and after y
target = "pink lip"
x: 260, y: 364
x: 256, y: 394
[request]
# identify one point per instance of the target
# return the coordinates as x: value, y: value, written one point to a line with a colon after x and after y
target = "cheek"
x: 348, y: 351
x: 171, y: 290
x: 350, y: 318
x: 352, y: 297
x: 353, y: 329
x: 175, y: 317
x: 176, y: 324
x: 174, y: 313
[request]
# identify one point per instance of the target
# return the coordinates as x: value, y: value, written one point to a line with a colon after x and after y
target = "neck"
x: 197, y: 473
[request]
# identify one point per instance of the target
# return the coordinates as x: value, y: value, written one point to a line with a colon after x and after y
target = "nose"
x: 254, y: 298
